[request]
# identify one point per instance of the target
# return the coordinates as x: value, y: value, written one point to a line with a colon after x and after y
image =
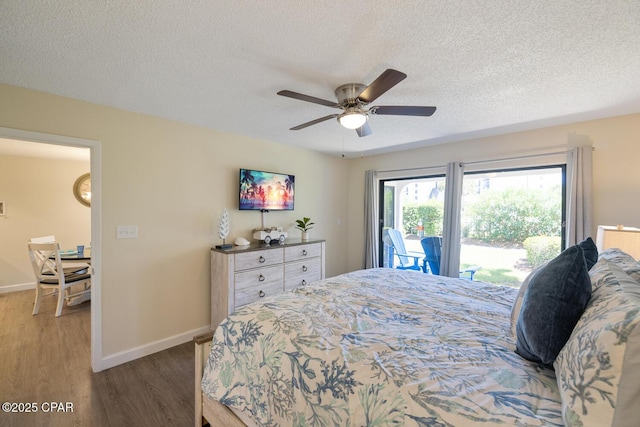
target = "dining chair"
x: 69, y: 267
x: 408, y: 260
x: 49, y: 273
x: 43, y: 239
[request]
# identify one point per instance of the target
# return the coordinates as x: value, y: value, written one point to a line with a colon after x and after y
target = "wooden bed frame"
x: 208, y: 410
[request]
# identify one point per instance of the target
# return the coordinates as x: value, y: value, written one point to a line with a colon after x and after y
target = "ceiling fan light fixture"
x: 354, y: 99
x: 352, y: 119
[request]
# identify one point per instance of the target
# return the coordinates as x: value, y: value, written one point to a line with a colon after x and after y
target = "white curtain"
x: 450, y: 262
x: 370, y: 219
x: 579, y: 189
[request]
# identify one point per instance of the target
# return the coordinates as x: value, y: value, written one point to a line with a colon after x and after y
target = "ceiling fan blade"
x: 385, y: 81
x: 313, y: 122
x: 302, y: 97
x: 364, y: 130
x: 402, y: 110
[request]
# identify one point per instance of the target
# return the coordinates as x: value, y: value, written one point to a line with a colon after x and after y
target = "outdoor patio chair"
x: 432, y: 247
x: 408, y: 260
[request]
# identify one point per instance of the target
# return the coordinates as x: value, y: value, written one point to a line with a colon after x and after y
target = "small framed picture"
x: 3, y: 208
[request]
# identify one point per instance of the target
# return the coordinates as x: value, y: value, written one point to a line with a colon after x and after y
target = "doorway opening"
x: 96, y: 226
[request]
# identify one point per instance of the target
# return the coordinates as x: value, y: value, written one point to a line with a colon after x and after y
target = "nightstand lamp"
x: 621, y: 237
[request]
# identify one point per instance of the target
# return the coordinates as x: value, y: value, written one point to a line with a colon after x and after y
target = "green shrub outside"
x: 430, y: 213
x: 541, y: 249
x: 508, y: 216
x: 513, y: 215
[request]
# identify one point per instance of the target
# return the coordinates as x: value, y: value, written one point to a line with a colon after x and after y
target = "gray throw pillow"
x: 552, y: 305
x: 590, y: 251
x: 590, y: 256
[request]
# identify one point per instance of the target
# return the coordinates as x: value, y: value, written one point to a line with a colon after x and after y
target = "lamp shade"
x: 626, y: 239
x: 352, y: 119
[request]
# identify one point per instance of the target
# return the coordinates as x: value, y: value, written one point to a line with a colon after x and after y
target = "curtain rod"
x: 506, y: 159
x: 531, y: 156
x: 482, y: 161
x: 412, y: 169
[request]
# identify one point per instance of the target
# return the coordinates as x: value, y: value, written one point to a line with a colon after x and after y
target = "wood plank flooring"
x: 44, y: 359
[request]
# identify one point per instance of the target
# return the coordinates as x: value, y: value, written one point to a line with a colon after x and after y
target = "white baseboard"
x: 147, y: 349
x: 16, y: 288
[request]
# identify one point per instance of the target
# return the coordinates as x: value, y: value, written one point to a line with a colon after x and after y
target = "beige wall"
x: 173, y: 180
x: 616, y: 174
x: 40, y: 202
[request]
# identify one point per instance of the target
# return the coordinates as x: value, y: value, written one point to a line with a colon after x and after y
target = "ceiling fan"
x: 353, y: 99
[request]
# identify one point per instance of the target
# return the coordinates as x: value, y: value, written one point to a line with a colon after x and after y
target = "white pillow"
x: 624, y: 261
x: 598, y: 369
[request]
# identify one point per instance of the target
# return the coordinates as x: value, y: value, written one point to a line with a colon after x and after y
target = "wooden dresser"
x: 242, y: 275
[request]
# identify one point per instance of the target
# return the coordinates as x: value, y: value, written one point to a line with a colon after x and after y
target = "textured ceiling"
x: 489, y: 66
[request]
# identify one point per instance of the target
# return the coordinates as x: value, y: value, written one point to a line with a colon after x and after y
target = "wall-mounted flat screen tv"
x: 261, y: 190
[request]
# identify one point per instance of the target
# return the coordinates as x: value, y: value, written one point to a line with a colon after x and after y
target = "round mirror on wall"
x: 82, y: 189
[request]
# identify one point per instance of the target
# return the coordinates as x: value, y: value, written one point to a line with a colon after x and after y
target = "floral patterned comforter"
x: 380, y: 347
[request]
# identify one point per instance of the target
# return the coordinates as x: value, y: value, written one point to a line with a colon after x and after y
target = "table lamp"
x: 621, y: 237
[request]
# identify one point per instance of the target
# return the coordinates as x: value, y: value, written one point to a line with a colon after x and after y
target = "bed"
x: 384, y: 347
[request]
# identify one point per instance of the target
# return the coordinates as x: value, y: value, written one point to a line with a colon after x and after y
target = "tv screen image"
x: 261, y: 190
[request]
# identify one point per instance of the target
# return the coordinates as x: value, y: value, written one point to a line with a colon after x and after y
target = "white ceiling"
x: 490, y: 66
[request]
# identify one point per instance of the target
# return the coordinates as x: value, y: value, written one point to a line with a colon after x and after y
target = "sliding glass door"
x: 511, y: 219
x: 415, y: 207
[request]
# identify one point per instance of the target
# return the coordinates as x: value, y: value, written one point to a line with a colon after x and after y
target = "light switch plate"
x: 127, y: 232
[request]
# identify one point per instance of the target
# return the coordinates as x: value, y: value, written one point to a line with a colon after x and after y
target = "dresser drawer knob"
x: 261, y: 259
x: 304, y: 252
x: 261, y: 278
x: 304, y: 268
x: 261, y: 294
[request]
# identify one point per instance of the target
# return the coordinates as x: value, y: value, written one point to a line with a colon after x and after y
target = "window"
x: 511, y: 219
x: 417, y: 213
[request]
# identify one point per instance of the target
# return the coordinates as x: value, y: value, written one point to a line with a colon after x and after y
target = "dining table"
x: 72, y: 255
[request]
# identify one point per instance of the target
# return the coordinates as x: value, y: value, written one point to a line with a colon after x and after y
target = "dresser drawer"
x: 240, y: 276
x: 249, y: 295
x: 255, y: 259
x: 299, y: 273
x: 298, y: 252
x: 255, y: 284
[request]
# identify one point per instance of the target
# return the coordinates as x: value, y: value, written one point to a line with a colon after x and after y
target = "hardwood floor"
x: 46, y: 361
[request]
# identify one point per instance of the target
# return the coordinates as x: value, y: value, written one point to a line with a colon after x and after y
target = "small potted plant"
x: 304, y: 225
